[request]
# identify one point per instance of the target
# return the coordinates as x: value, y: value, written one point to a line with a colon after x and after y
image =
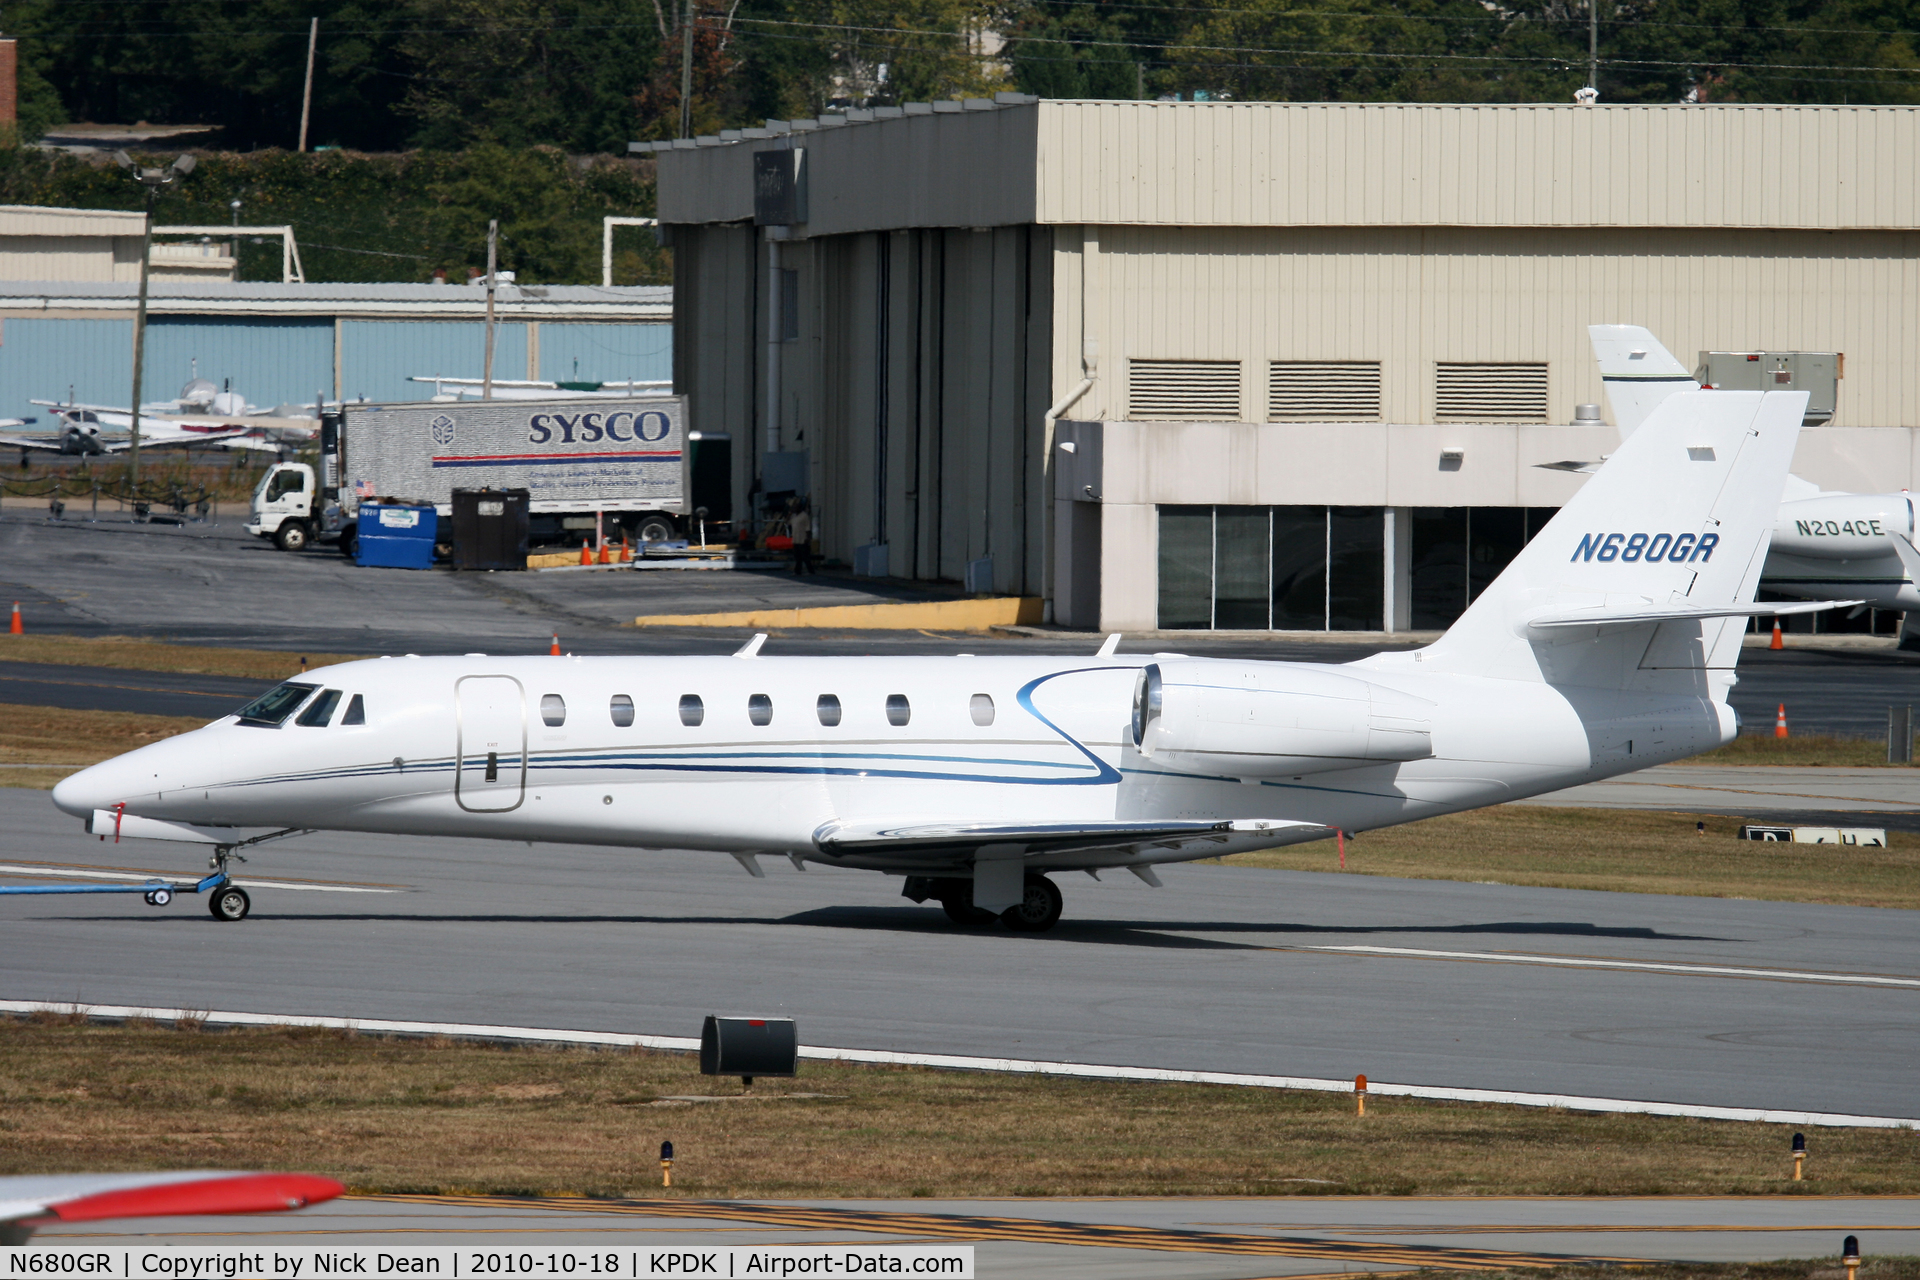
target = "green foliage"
x: 387, y: 218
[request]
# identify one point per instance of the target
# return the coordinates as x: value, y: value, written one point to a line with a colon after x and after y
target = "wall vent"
x: 1183, y: 390
x: 1323, y: 391
x: 1485, y: 392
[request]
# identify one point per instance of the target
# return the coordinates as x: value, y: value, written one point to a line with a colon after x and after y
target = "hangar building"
x: 1305, y: 359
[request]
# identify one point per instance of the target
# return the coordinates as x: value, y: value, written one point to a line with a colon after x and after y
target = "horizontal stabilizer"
x: 945, y: 839
x: 1909, y: 558
x: 1604, y: 617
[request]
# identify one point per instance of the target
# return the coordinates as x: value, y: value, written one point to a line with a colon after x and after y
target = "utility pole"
x: 1593, y: 44
x: 152, y: 180
x: 493, y: 248
x: 686, y: 73
x: 306, y: 98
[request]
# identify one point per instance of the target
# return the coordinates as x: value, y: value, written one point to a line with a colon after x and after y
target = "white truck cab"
x: 284, y: 507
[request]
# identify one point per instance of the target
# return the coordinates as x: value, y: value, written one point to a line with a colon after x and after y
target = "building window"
x: 1471, y: 391
x: 620, y: 707
x: 1323, y: 391
x: 553, y: 709
x: 1272, y: 568
x: 1183, y: 390
x: 760, y: 709
x: 692, y: 710
x: 898, y: 711
x: 828, y: 709
x: 1457, y: 552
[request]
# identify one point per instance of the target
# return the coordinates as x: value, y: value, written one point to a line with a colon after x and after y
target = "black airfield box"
x: 749, y: 1047
x: 490, y: 528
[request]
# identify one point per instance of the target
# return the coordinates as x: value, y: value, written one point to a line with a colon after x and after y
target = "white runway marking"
x: 957, y: 1062
x: 142, y: 877
x: 1586, y: 962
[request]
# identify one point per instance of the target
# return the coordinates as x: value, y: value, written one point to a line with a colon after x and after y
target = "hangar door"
x: 490, y: 773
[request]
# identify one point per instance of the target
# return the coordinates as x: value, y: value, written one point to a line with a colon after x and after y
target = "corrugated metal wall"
x: 605, y: 352
x: 269, y: 362
x: 1363, y: 164
x: 378, y: 356
x: 42, y: 359
x: 1409, y: 297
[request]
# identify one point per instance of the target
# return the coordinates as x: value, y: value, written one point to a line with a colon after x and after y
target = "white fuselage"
x: 534, y: 749
x: 1838, y: 545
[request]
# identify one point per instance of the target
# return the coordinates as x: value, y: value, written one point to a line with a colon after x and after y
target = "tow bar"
x: 227, y: 900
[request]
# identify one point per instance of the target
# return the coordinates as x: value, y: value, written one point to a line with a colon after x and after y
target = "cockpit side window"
x: 271, y: 709
x: 356, y: 711
x: 320, y: 711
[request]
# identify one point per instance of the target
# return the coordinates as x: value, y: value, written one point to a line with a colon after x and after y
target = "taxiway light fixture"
x: 1360, y: 1095
x: 666, y: 1164
x: 1850, y: 1255
x: 1799, y: 1155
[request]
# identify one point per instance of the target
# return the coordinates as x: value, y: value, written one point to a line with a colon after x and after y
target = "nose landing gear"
x: 229, y: 902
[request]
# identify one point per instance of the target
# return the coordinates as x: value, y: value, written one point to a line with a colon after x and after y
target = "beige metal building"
x: 99, y: 245
x: 1305, y: 357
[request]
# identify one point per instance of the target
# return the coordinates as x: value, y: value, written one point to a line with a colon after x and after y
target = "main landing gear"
x: 1037, y: 911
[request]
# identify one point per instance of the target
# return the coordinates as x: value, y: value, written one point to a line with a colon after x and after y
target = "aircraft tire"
x: 957, y: 901
x: 1038, y: 911
x: 230, y: 903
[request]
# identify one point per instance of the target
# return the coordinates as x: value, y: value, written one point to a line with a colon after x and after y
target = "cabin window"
x: 271, y: 708
x: 553, y: 709
x: 356, y: 711
x: 621, y: 709
x: 692, y: 710
x: 320, y: 711
x: 981, y: 708
x: 898, y: 712
x: 760, y: 709
x: 828, y: 709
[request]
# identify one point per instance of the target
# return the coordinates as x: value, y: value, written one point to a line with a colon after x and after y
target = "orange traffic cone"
x: 626, y: 552
x: 14, y: 628
x: 606, y: 553
x: 555, y: 651
x: 1778, y: 643
x: 1780, y: 722
x: 586, y: 552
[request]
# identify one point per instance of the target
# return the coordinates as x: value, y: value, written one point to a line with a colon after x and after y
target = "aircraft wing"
x: 41, y: 1200
x: 1601, y: 616
x: 49, y: 443
x: 941, y: 839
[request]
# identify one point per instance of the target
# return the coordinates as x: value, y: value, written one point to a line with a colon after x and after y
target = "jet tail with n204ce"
x: 1608, y: 644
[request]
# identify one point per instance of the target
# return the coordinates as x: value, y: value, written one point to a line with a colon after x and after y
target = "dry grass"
x: 1620, y: 850
x: 1871, y: 1268
x: 154, y: 655
x: 1802, y: 751
x: 65, y: 740
x: 448, y: 1116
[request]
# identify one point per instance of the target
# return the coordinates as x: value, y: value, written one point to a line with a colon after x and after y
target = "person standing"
x: 800, y: 528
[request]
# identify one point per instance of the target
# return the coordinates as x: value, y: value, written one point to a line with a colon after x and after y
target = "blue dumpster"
x: 395, y: 536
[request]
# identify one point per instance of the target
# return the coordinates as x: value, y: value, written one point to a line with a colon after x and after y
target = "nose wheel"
x: 229, y: 903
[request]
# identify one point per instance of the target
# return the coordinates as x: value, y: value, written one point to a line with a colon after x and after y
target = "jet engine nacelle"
x: 1272, y: 720
x: 1843, y: 526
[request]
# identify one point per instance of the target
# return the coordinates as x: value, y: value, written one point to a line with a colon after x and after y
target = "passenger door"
x: 490, y: 770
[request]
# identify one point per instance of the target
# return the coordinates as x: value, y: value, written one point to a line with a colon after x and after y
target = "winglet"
x: 751, y: 649
x: 1111, y: 644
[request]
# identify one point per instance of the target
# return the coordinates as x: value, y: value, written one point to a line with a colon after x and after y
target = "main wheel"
x: 656, y: 529
x: 291, y: 536
x: 1038, y: 911
x: 956, y: 899
x: 230, y: 903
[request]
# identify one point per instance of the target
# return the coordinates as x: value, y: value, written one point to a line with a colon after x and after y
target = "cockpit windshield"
x: 271, y: 709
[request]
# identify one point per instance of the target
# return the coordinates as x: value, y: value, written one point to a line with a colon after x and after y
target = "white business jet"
x: 1607, y: 645
x: 1824, y: 543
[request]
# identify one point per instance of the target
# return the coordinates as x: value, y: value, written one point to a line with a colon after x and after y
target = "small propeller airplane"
x: 1607, y: 645
x: 41, y: 1200
x: 201, y: 414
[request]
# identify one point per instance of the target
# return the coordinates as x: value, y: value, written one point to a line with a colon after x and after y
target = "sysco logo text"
x: 1675, y: 548
x: 587, y: 428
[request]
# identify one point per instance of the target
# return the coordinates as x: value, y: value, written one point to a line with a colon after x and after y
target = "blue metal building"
x: 291, y: 343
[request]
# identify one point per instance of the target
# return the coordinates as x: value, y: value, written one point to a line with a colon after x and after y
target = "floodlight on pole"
x: 151, y: 180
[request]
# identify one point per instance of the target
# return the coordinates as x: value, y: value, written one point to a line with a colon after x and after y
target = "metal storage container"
x: 490, y: 528
x: 395, y: 536
x: 1817, y: 373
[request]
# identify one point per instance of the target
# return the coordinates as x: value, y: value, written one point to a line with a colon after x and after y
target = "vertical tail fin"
x: 1679, y: 517
x: 1638, y: 372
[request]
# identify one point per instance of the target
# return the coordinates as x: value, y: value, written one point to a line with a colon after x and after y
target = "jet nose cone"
x: 98, y: 787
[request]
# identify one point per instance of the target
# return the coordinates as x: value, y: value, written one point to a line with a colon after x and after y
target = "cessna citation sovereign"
x: 1607, y: 645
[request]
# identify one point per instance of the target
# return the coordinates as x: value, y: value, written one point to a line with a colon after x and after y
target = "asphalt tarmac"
x: 1226, y: 969
x: 1239, y: 1239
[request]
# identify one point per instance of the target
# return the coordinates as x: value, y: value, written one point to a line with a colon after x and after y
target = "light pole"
x: 151, y: 180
